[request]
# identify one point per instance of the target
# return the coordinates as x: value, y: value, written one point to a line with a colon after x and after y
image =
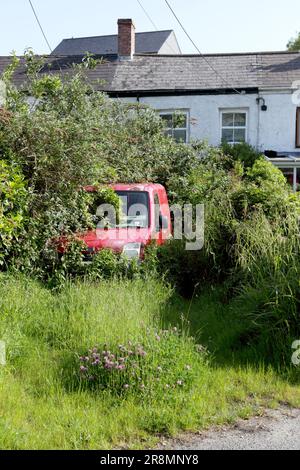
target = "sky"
x: 215, y: 25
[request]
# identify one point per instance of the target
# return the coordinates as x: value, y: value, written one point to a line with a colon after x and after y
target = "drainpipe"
x: 258, y: 125
x: 295, y: 180
x: 264, y: 108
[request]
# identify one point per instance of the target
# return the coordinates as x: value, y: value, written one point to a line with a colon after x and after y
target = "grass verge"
x: 44, y: 404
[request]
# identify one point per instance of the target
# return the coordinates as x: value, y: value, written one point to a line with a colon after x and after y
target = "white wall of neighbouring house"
x: 274, y: 129
x: 278, y: 123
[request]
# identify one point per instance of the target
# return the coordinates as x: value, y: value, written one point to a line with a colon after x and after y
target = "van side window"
x: 157, y: 212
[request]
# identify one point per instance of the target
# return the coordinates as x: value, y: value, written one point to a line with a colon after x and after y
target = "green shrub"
x: 13, y: 207
x: 243, y: 153
x: 185, y: 270
x: 264, y: 187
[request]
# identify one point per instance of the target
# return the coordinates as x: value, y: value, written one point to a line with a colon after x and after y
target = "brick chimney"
x: 126, y: 39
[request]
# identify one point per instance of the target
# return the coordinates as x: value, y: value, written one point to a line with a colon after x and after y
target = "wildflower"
x: 126, y: 386
x: 142, y: 386
x: 179, y: 382
x: 108, y: 365
x: 167, y: 386
x: 159, y: 369
x: 121, y: 367
x: 187, y: 367
x: 141, y: 352
x: 157, y: 337
x: 83, y: 369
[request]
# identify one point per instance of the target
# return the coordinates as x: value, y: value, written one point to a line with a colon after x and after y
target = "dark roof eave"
x: 179, y: 92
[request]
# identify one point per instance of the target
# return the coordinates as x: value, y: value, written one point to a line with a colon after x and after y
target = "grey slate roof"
x: 146, y: 43
x: 182, y: 73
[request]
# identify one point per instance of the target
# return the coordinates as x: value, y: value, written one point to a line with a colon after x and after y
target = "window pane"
x: 227, y: 135
x: 179, y: 120
x: 179, y: 136
x: 169, y: 132
x: 227, y: 119
x: 167, y: 119
x: 239, y: 135
x: 240, y: 119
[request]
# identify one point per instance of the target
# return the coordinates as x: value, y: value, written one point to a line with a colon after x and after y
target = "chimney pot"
x: 126, y: 39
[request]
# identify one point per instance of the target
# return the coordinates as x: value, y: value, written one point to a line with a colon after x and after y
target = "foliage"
x: 13, y: 205
x: 251, y: 247
x: 294, y: 44
x: 185, y: 270
x: 231, y: 197
x: 258, y: 191
x: 243, y: 153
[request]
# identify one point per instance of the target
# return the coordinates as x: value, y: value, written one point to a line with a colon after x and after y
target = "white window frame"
x: 186, y: 112
x: 234, y: 111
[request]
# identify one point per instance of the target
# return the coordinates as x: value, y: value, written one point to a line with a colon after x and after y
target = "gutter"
x: 178, y: 92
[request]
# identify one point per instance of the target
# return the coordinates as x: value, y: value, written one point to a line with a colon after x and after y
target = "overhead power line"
x: 40, y: 26
x: 147, y: 14
x: 198, y: 50
x: 154, y: 25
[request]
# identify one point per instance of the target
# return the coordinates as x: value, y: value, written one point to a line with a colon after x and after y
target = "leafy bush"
x: 264, y: 187
x: 13, y: 205
x: 184, y: 269
x: 243, y: 153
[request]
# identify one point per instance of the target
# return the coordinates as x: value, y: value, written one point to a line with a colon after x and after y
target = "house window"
x: 176, y: 124
x: 234, y: 126
x: 298, y: 128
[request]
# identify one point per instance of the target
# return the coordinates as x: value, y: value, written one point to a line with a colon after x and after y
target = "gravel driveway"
x: 276, y: 430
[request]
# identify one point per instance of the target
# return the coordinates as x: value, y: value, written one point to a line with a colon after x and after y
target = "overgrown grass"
x: 225, y: 326
x: 41, y: 408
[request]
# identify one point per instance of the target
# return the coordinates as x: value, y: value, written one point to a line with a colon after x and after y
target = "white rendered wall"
x: 274, y: 129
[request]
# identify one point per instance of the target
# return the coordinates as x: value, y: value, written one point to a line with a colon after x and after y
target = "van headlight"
x: 132, y: 250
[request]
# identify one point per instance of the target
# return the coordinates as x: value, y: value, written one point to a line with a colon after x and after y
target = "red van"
x: 145, y: 218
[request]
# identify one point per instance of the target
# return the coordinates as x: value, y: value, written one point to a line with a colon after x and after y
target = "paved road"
x: 276, y: 430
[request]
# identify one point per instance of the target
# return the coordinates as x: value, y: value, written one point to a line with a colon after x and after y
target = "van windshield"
x: 134, y: 209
